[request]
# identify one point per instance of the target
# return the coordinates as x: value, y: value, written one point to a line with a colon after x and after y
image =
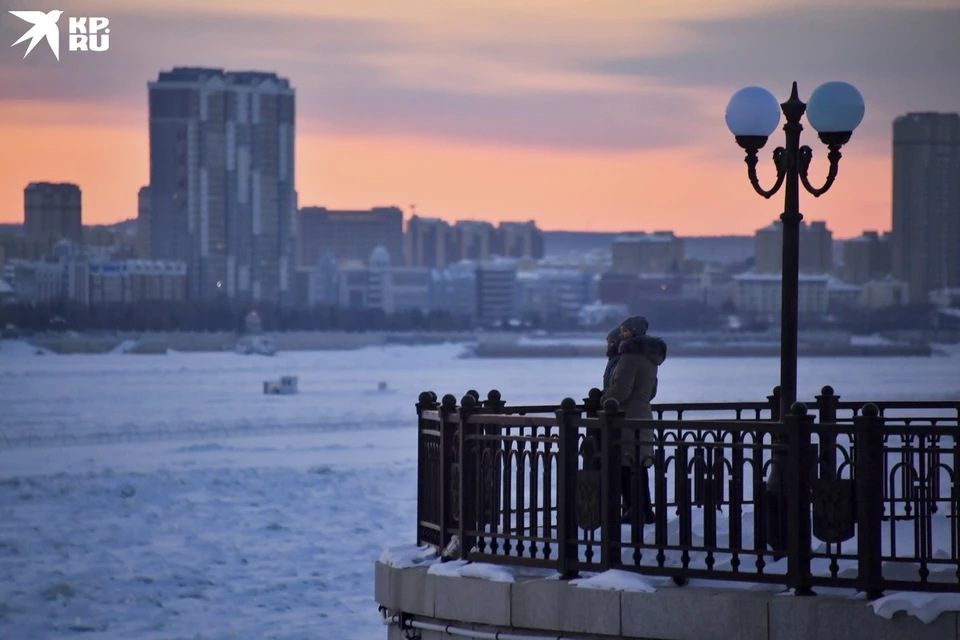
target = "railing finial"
x: 798, y: 409
x: 468, y: 402
x: 870, y: 410
x: 449, y: 401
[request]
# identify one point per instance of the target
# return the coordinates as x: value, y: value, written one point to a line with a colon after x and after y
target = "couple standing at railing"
x: 630, y: 378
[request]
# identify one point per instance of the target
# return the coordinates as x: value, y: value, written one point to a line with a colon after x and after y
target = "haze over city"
x: 593, y: 116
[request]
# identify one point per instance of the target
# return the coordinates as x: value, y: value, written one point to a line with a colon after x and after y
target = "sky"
x: 592, y: 115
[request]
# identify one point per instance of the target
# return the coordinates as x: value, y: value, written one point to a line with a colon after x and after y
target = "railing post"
x: 568, y: 546
x: 426, y: 402
x: 868, y: 431
x: 491, y: 488
x: 774, y: 499
x: 774, y: 400
x: 449, y: 473
x: 827, y: 415
x: 610, y: 510
x: 591, y: 404
x: 469, y: 463
x: 800, y: 466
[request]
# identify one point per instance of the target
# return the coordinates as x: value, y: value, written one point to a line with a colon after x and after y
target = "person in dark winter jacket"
x: 634, y: 385
x: 613, y: 356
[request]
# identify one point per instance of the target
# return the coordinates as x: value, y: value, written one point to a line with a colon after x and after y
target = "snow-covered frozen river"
x: 171, y: 499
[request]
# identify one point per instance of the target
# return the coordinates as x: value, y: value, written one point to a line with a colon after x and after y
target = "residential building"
x: 454, y: 289
x: 518, y: 240
x: 221, y: 181
x: 473, y: 240
x: 378, y: 285
x: 816, y: 248
x: 553, y: 294
x: 143, y: 223
x: 760, y: 293
x: 866, y: 257
x: 926, y: 202
x: 884, y: 292
x: 52, y: 212
x: 349, y: 235
x: 429, y: 242
x: 496, y: 290
x: 660, y: 252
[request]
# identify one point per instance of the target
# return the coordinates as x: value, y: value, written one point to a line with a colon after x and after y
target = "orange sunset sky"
x: 599, y: 115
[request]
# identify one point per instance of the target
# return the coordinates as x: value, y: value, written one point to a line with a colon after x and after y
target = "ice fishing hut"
x: 285, y: 386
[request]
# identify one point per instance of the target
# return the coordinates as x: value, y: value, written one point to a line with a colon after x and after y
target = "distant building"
x: 378, y: 285
x: 553, y: 294
x: 760, y: 293
x: 885, y: 292
x: 926, y: 202
x: 660, y: 252
x: 221, y: 181
x: 349, y: 235
x: 432, y: 242
x: 137, y: 280
x: 317, y: 285
x: 429, y: 242
x: 52, y: 212
x: 518, y: 240
x: 496, y: 290
x: 867, y: 257
x: 816, y: 248
x: 473, y: 240
x: 143, y: 223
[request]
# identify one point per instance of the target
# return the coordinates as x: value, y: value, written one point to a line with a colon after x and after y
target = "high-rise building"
x: 866, y: 257
x: 519, y: 240
x: 926, y: 202
x: 349, y: 235
x: 658, y: 253
x: 473, y: 240
x: 143, y: 223
x: 222, y: 181
x: 429, y: 242
x: 51, y: 212
x: 816, y: 248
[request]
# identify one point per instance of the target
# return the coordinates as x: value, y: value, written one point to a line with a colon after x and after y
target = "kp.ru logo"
x: 85, y: 34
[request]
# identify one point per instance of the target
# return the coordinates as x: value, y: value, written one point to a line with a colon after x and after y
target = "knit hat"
x: 614, y: 335
x: 637, y: 324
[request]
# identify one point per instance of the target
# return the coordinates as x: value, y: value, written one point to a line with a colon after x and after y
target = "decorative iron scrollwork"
x: 455, y: 490
x: 588, y: 499
x: 834, y: 510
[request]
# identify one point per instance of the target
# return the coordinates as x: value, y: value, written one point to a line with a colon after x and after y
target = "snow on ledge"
x: 481, y: 570
x: 616, y: 580
x: 406, y: 556
x: 927, y: 607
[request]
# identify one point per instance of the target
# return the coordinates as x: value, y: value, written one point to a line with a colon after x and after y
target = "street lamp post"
x: 834, y: 111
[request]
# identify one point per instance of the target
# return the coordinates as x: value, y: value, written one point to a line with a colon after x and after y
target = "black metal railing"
x: 843, y: 494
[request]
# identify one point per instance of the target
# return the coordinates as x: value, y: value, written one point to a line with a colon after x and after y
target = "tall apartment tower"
x: 143, y: 223
x: 429, y: 242
x: 52, y: 212
x: 926, y: 202
x: 222, y: 181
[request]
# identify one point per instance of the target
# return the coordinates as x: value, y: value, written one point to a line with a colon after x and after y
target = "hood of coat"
x: 653, y: 348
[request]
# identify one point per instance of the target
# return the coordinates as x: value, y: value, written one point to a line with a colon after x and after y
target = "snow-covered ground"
x: 167, y: 497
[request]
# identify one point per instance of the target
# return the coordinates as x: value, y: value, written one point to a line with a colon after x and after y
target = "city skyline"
x: 609, y: 118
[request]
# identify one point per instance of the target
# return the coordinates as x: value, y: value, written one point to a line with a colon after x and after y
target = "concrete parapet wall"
x: 550, y: 608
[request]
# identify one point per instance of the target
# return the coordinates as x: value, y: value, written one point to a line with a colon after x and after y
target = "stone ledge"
x: 546, y: 607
